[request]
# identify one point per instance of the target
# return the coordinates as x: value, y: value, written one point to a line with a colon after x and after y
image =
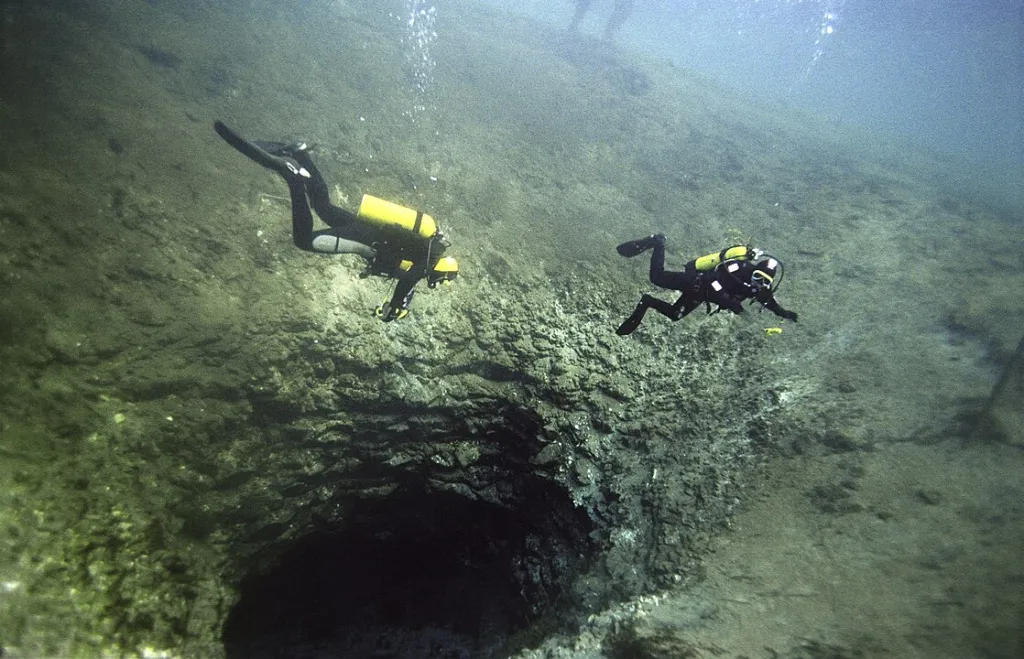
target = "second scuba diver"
x: 397, y: 242
x: 724, y: 279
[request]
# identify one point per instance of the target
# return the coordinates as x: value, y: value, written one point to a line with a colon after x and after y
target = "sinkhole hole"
x: 419, y: 574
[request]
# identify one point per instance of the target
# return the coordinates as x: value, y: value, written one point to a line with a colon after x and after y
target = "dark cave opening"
x: 420, y: 574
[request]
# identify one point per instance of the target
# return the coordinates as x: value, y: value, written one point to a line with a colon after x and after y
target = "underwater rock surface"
x: 211, y: 448
x: 196, y: 416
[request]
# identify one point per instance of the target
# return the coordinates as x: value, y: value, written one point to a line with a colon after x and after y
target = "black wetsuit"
x: 725, y: 286
x: 385, y: 247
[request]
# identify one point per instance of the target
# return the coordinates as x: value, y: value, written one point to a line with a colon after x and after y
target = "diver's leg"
x: 294, y: 174
x: 646, y: 302
x: 661, y: 277
x: 661, y: 306
x: 326, y: 241
x: 620, y: 14
x: 302, y: 216
x: 582, y: 6
x: 657, y: 263
x: 319, y: 196
x: 346, y: 235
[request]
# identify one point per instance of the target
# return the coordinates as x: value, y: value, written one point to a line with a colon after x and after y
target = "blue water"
x: 943, y: 75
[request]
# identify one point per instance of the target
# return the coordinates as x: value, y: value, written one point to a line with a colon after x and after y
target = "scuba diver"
x: 723, y: 279
x: 620, y: 13
x: 397, y: 242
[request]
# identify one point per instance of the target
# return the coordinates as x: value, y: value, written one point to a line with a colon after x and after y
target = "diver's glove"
x: 789, y: 315
x: 387, y: 313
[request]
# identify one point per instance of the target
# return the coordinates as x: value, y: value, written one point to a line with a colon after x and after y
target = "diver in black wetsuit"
x: 397, y: 242
x: 724, y: 279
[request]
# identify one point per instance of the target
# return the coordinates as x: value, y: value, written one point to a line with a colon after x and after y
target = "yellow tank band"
x: 741, y: 252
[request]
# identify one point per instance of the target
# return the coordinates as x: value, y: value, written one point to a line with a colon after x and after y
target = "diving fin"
x: 633, y: 321
x: 256, y: 152
x: 639, y: 246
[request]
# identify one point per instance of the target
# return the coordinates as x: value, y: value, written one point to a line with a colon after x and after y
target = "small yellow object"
x: 119, y: 418
x: 772, y: 331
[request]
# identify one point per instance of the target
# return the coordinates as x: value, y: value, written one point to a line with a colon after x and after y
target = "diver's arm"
x: 398, y: 306
x: 776, y: 308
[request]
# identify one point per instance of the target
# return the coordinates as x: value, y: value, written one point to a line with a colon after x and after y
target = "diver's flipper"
x: 286, y: 167
x: 639, y: 246
x: 633, y: 321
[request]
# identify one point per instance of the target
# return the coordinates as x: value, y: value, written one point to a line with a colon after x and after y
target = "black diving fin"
x: 636, y: 247
x: 634, y: 320
x: 256, y: 152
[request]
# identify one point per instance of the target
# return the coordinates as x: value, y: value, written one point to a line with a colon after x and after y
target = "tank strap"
x: 418, y: 222
x: 746, y: 255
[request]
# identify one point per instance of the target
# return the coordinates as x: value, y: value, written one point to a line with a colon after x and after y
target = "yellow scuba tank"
x: 711, y: 261
x: 380, y: 211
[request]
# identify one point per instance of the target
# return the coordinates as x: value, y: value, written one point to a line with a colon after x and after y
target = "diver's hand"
x: 789, y: 315
x: 387, y: 313
x: 384, y: 312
